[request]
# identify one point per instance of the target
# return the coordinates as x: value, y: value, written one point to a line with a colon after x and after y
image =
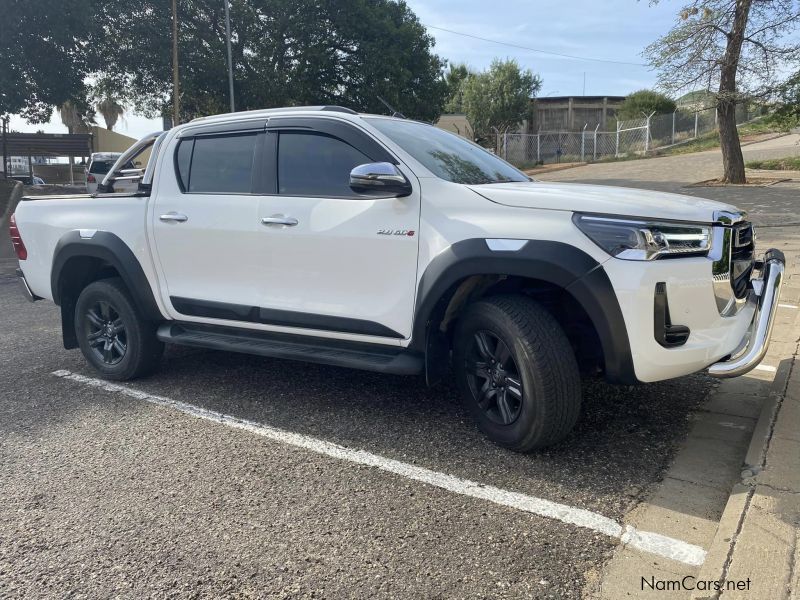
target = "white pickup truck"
x: 323, y: 235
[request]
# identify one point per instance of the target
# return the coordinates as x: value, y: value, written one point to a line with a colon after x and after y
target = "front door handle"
x: 279, y: 220
x: 173, y: 217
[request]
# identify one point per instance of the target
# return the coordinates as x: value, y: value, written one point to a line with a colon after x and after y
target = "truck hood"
x: 578, y: 197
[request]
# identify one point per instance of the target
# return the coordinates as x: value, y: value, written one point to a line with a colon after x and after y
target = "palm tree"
x: 111, y: 111
x: 77, y: 120
x: 69, y: 115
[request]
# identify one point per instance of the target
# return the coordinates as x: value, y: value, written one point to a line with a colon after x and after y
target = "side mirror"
x: 381, y: 178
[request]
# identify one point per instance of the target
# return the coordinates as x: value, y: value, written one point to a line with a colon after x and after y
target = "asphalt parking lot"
x: 107, y: 493
x: 104, y: 494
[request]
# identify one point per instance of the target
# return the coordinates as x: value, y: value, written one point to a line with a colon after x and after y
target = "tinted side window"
x: 313, y: 164
x: 222, y: 164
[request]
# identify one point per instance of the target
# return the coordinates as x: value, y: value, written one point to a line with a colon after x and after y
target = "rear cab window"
x: 216, y: 163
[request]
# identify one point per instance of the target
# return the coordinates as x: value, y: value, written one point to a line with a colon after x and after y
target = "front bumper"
x: 766, y: 294
x: 26, y: 288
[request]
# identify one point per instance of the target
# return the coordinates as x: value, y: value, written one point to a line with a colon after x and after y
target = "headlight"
x: 633, y: 239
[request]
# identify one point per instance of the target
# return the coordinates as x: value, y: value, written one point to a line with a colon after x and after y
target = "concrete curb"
x: 720, y: 554
x: 756, y: 456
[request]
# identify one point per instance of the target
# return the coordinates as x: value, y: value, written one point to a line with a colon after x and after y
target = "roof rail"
x: 341, y: 109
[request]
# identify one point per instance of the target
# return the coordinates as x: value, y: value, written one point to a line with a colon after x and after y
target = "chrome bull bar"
x: 767, y: 291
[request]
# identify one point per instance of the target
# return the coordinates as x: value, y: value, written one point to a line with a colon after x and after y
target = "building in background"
x: 572, y: 113
x: 52, y: 154
x: 456, y: 123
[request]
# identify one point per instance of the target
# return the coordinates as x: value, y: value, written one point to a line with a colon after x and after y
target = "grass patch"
x: 791, y: 163
x: 706, y: 141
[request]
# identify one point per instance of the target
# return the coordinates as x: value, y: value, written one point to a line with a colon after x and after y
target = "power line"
x: 602, y: 60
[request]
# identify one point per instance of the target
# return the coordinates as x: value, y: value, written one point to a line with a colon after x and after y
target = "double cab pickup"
x: 319, y: 234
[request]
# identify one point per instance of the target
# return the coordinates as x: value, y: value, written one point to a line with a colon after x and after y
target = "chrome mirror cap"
x: 381, y: 177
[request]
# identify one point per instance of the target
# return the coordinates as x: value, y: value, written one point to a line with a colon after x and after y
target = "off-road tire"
x: 142, y: 350
x: 542, y: 355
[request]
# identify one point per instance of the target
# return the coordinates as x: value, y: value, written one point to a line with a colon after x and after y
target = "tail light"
x: 16, y: 239
x: 90, y: 178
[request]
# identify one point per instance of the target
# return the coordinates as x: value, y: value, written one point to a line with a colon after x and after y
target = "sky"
x: 614, y: 30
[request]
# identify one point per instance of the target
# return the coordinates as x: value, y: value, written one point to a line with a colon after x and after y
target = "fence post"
x: 583, y: 140
x: 696, y: 114
x: 647, y: 133
x: 538, y: 146
x: 594, y: 153
x: 616, y: 146
x: 674, y: 112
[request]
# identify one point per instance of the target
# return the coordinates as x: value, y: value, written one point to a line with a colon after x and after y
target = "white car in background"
x: 100, y: 164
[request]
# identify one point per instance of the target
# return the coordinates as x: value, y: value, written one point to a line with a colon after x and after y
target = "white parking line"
x: 646, y: 541
x: 767, y: 368
x: 788, y: 305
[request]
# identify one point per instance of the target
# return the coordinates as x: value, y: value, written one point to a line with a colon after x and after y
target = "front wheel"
x: 112, y: 334
x: 517, y: 372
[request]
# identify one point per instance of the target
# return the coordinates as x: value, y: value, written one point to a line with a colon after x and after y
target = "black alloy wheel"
x: 106, y: 332
x: 112, y: 333
x: 494, y: 378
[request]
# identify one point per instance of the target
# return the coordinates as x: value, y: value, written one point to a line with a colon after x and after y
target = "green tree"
x: 285, y: 52
x: 737, y: 47
x: 644, y: 102
x: 788, y: 112
x: 454, y: 78
x: 43, y: 45
x: 500, y: 97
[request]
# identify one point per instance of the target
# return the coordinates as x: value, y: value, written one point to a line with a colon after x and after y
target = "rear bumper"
x: 26, y: 288
x: 766, y: 295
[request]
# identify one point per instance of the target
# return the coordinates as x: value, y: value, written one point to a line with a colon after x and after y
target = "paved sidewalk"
x: 756, y: 552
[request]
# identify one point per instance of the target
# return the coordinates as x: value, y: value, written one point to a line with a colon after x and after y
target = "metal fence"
x: 637, y: 136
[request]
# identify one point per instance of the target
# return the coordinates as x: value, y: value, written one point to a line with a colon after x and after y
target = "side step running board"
x: 383, y: 359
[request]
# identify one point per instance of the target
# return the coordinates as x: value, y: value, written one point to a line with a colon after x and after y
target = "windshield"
x: 447, y: 155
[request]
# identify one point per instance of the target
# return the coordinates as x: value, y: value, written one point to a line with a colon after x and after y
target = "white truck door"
x: 205, y: 224
x: 332, y: 259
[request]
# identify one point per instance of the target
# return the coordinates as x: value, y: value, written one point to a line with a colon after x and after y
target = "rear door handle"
x: 279, y: 220
x: 173, y: 217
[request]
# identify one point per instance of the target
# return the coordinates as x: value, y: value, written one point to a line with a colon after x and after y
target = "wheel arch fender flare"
x: 557, y: 263
x: 110, y: 249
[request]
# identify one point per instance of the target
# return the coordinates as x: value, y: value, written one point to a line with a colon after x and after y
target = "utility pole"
x: 5, y: 147
x: 230, y: 59
x: 176, y: 92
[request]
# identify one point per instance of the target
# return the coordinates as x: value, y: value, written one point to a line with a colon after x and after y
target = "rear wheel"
x: 517, y: 372
x: 112, y: 334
